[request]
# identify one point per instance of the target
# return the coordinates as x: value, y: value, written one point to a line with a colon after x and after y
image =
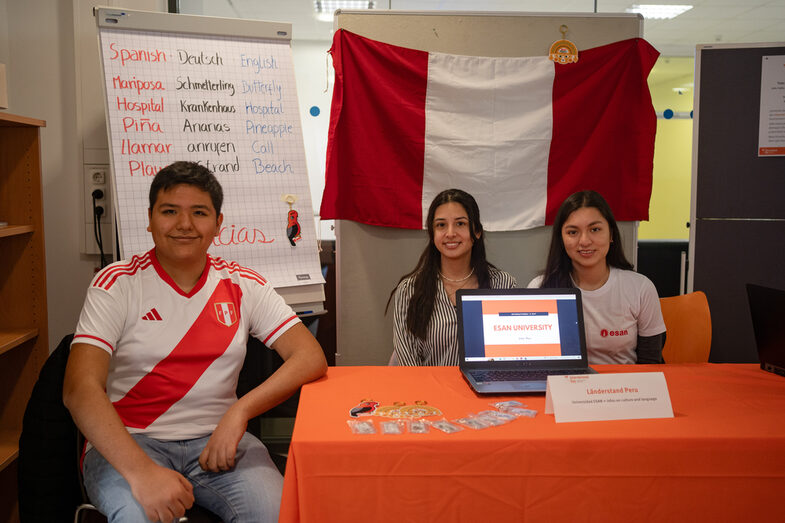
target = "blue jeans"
x: 249, y: 493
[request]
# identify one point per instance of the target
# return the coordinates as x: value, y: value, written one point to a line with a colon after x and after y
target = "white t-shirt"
x: 625, y: 307
x: 176, y: 357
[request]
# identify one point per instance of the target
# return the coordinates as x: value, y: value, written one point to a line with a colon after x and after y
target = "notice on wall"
x: 771, y: 135
x: 229, y: 104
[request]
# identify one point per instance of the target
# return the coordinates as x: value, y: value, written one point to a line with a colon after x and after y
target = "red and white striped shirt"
x: 176, y: 356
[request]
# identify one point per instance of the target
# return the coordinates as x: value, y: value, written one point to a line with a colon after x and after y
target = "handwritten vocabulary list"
x: 229, y: 104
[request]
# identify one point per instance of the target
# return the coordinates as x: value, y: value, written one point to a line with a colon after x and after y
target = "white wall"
x: 4, y: 51
x: 37, y: 46
x: 312, y: 69
x: 41, y: 84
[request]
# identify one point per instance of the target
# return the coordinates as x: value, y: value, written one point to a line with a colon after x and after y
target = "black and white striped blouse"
x: 440, y: 346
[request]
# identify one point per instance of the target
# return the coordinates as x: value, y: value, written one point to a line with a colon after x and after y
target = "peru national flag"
x: 518, y: 133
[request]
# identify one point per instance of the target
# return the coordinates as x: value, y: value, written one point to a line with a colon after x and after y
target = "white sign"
x: 771, y: 133
x: 230, y: 104
x: 601, y: 397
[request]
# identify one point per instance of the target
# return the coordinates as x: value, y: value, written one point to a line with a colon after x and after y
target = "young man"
x: 153, y: 369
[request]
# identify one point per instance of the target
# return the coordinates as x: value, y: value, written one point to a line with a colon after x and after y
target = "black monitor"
x: 767, y: 306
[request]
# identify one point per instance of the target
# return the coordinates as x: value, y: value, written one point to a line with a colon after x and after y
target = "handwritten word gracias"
x: 236, y: 235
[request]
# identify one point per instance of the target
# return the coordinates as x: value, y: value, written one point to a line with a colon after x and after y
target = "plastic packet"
x: 498, y: 414
x: 519, y: 412
x: 501, y: 405
x: 417, y: 426
x: 361, y: 426
x: 491, y: 420
x: 445, y: 426
x: 473, y: 422
x: 392, y: 427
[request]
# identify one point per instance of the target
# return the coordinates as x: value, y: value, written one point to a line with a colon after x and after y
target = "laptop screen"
x: 520, y: 325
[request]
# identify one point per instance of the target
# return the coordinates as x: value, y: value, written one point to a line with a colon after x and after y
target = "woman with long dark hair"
x: 424, y: 315
x: 621, y: 308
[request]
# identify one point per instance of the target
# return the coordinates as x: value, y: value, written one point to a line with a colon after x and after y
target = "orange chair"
x: 688, y: 323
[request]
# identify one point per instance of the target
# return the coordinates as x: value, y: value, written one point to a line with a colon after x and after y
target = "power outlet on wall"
x: 96, y: 186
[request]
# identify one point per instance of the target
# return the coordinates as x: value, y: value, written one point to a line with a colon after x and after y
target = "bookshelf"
x: 24, y: 343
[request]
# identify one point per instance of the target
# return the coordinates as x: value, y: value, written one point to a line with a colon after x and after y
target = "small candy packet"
x: 501, y: 405
x: 417, y: 426
x: 504, y: 416
x: 491, y: 420
x: 361, y: 426
x: 519, y: 412
x: 473, y: 422
x: 392, y: 427
x: 445, y: 426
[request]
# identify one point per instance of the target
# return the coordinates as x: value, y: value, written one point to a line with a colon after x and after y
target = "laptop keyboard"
x: 520, y: 375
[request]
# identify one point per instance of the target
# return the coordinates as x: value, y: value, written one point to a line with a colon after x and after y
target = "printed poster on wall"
x: 771, y: 135
x: 229, y: 104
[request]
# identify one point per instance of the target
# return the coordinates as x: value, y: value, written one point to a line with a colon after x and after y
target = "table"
x: 721, y: 458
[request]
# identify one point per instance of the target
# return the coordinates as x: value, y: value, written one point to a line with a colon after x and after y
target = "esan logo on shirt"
x: 605, y: 333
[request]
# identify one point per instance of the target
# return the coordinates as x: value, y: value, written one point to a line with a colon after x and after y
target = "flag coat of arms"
x: 518, y: 133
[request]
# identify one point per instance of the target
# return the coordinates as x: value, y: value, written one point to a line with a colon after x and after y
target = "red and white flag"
x: 518, y: 133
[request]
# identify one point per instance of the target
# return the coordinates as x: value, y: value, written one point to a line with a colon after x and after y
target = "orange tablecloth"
x: 722, y: 457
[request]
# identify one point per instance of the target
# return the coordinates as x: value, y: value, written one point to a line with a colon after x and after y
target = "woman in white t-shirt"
x: 621, y: 308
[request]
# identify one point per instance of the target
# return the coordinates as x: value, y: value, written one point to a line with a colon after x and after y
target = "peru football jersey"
x: 175, y: 356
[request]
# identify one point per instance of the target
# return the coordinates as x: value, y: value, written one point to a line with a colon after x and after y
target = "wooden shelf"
x: 14, y: 120
x: 14, y: 230
x: 24, y: 338
x: 10, y: 339
x: 9, y: 447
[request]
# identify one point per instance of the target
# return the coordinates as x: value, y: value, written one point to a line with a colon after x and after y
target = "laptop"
x: 767, y: 307
x: 511, y: 340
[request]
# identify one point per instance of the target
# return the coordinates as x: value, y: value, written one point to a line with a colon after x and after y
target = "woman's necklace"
x: 451, y: 286
x: 442, y: 276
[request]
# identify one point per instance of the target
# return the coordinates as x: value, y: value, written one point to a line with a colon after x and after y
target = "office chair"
x: 48, y: 480
x: 688, y: 328
x: 50, y: 447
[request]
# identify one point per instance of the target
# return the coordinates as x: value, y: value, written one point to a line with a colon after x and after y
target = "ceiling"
x: 708, y: 22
